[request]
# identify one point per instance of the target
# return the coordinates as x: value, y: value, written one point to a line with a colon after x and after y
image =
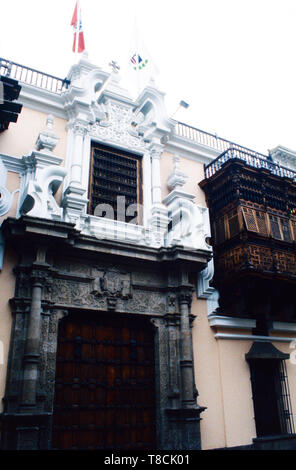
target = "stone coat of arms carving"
x: 114, y: 285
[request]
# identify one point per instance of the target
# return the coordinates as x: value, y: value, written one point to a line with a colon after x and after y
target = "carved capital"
x: 19, y: 306
x: 80, y: 128
x: 185, y: 295
x: 40, y: 275
x: 156, y: 151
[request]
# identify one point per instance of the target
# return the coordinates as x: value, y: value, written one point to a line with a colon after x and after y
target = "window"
x: 115, y: 188
x: 278, y: 227
x: 270, y: 390
x: 227, y: 226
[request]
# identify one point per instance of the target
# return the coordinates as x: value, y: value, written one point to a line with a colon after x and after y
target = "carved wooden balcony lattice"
x: 253, y: 222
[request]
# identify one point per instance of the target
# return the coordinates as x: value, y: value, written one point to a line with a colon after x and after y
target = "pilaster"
x: 159, y: 214
x: 74, y: 200
x: 183, y: 412
x: 32, y: 344
x: 25, y: 422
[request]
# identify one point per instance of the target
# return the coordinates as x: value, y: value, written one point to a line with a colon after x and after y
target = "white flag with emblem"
x: 142, y: 67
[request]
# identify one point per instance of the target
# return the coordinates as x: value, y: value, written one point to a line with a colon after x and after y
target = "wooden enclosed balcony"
x: 252, y: 203
x: 9, y: 107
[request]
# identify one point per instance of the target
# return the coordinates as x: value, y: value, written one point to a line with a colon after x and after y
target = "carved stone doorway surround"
x: 59, y: 270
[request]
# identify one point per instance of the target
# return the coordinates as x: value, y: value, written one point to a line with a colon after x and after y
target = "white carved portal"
x: 99, y: 110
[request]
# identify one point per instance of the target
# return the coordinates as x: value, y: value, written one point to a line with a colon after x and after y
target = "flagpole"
x: 77, y: 28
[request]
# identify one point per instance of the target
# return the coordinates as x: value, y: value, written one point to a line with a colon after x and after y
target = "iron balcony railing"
x: 33, y: 77
x: 211, y: 140
x: 250, y: 159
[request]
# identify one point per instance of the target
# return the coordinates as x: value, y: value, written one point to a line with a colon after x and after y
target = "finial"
x: 177, y: 178
x: 49, y: 122
x: 47, y: 140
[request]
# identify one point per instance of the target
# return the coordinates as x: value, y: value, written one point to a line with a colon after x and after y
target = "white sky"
x: 233, y: 61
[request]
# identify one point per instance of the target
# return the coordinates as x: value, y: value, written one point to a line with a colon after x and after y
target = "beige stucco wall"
x: 223, y: 381
x: 194, y: 170
x: 7, y: 283
x: 6, y: 293
x: 236, y: 392
x: 19, y: 139
x: 207, y: 377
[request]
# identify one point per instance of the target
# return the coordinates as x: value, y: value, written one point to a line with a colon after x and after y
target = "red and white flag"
x: 78, y: 43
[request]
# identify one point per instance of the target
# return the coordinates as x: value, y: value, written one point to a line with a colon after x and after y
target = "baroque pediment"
x: 117, y: 126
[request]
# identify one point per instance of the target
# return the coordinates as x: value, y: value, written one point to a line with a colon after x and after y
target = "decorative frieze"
x: 117, y: 127
x: 105, y: 293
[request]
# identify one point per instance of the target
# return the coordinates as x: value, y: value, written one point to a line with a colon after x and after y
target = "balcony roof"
x: 251, y: 159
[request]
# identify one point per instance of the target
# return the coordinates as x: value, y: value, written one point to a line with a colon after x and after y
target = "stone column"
x: 188, y: 393
x: 32, y: 346
x: 173, y: 340
x: 184, y: 419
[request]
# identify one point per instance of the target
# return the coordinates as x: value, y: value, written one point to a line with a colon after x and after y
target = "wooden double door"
x: 105, y: 383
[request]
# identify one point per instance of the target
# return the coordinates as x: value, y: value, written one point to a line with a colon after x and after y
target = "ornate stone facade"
x: 55, y: 278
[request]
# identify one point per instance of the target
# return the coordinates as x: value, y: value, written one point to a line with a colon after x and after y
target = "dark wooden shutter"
x: 233, y: 223
x: 250, y: 219
x: 293, y: 224
x: 220, y: 232
x: 275, y: 227
x: 114, y: 173
x: 261, y: 223
x: 285, y: 225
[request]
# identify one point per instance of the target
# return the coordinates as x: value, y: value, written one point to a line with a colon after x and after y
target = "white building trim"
x: 232, y: 336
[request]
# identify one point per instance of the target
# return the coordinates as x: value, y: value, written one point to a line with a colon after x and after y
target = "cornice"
x: 42, y: 100
x: 219, y: 321
x: 232, y: 336
x: 177, y: 257
x: 189, y: 149
x: 12, y: 163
